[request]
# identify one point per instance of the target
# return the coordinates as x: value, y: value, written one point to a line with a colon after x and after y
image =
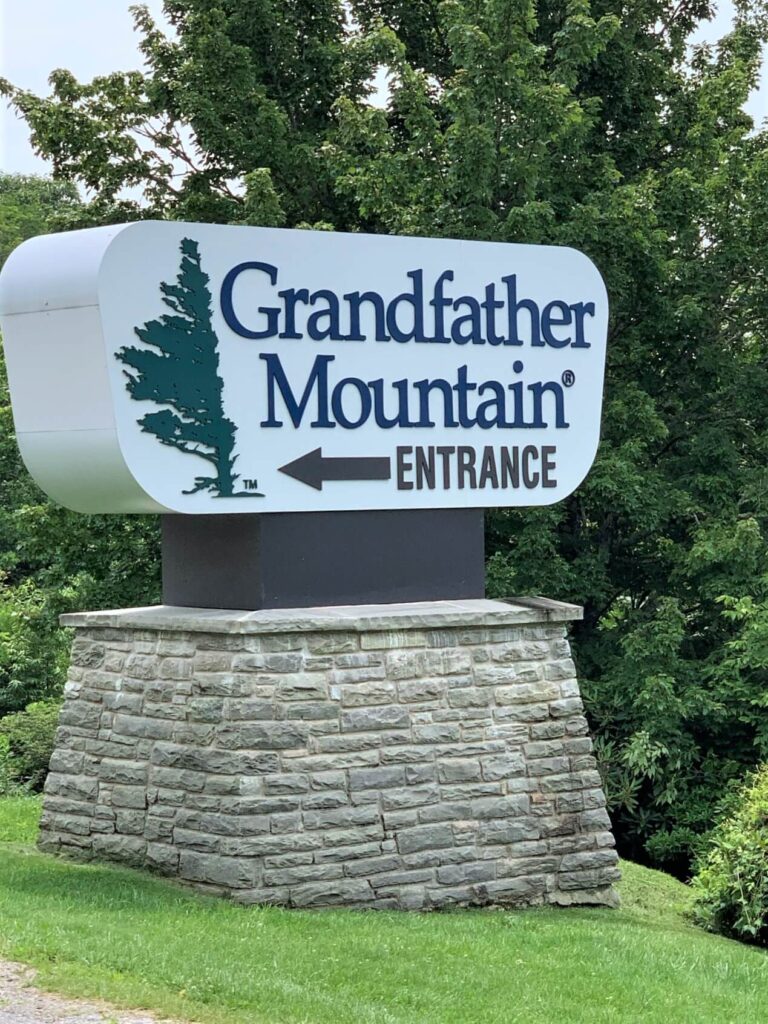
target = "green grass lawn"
x: 141, y: 942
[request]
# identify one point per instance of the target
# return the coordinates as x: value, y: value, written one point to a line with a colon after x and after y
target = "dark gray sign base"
x: 310, y: 559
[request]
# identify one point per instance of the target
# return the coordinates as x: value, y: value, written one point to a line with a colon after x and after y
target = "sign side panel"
x: 84, y: 471
x: 55, y: 271
x: 63, y: 414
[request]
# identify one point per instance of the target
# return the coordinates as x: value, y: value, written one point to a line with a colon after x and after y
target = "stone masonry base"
x: 398, y: 756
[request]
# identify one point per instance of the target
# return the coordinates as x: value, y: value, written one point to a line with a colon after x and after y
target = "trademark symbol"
x: 568, y: 378
x: 251, y: 485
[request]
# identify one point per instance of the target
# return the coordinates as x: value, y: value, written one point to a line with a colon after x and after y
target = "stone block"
x: 424, y: 690
x: 332, y: 643
x: 564, y: 669
x: 391, y: 881
x: 72, y: 787
x: 221, y: 684
x: 418, y: 774
x: 566, y: 707
x: 143, y: 727
x: 470, y: 697
x: 276, y: 785
x: 440, y: 733
x: 225, y: 762
x: 327, y: 780
x: 503, y: 766
x: 526, y: 693
x: 67, y: 762
x: 459, y: 771
x: 524, y: 891
x: 426, y: 837
x: 327, y: 800
x: 329, y: 894
x: 87, y: 654
x: 365, y: 674
x: 263, y: 736
x: 129, y: 796
x: 81, y: 715
x: 320, y: 712
x: 410, y: 796
x: 342, y: 817
x: 364, y: 694
x: 124, y: 772
x: 163, y: 858
x: 229, y: 872
x: 125, y: 849
x: 371, y: 719
x: 302, y: 687
x: 406, y: 664
x: 376, y: 778
x: 462, y: 874
x: 506, y: 832
x: 589, y: 859
x: 393, y: 640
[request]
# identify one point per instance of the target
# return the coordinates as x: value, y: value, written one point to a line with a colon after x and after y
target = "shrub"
x: 26, y: 745
x: 732, y: 881
x: 6, y: 774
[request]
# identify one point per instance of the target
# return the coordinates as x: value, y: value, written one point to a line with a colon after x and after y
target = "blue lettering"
x: 537, y: 390
x: 330, y: 314
x: 470, y: 319
x: 415, y: 300
x: 425, y: 388
x: 227, y: 308
x: 490, y: 305
x: 382, y: 420
x: 355, y: 300
x: 555, y: 314
x: 514, y: 307
x: 337, y: 405
x: 580, y: 310
x: 291, y: 298
x: 492, y: 412
x: 318, y: 377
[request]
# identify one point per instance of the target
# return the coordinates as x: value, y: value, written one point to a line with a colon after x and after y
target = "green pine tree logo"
x: 180, y: 370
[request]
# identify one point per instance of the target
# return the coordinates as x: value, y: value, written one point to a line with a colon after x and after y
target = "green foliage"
x: 6, y: 771
x: 52, y: 560
x: 33, y: 651
x: 19, y: 817
x: 731, y: 884
x: 28, y: 202
x: 578, y: 123
x: 26, y: 745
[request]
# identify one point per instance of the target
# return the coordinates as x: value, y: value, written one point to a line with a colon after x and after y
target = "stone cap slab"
x: 346, y: 618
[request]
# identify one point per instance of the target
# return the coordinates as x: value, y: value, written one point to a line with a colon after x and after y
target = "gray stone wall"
x: 405, y: 760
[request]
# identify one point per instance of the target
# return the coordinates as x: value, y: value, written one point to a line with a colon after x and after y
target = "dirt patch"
x: 22, y: 1003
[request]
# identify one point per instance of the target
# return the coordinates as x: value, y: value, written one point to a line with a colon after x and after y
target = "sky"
x: 93, y: 37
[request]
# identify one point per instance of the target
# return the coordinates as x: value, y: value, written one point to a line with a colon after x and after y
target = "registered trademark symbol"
x: 568, y: 378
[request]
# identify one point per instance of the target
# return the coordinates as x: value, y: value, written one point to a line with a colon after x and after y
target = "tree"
x: 29, y: 204
x: 558, y: 121
x: 183, y: 374
x: 53, y: 560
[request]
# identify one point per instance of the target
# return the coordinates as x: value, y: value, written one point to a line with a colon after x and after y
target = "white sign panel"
x: 197, y: 368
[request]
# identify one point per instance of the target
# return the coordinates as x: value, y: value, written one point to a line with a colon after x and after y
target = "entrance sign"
x: 167, y: 367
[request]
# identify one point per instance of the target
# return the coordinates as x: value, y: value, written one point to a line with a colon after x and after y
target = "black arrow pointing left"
x: 314, y: 468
